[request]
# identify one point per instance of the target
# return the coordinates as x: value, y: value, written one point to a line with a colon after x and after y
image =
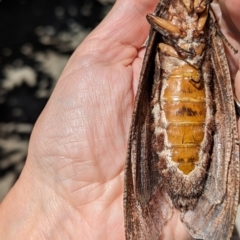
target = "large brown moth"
x: 183, y: 150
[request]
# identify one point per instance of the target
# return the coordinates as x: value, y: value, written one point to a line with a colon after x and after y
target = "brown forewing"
x: 215, y: 213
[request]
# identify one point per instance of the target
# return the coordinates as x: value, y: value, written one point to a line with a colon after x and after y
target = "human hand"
x: 72, y: 184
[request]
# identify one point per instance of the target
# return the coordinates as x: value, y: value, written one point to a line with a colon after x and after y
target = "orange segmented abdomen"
x: 184, y: 104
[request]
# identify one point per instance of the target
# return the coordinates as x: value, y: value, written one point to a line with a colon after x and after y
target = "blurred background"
x: 37, y: 38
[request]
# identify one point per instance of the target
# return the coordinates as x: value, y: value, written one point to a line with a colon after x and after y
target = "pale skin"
x: 72, y: 184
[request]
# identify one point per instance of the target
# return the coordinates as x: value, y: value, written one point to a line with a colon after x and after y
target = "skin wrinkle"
x: 96, y: 220
x: 83, y: 97
x: 65, y: 222
x: 94, y: 139
x: 121, y: 110
x: 105, y: 190
x: 97, y: 162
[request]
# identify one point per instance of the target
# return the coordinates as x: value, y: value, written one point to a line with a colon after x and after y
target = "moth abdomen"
x: 182, y: 105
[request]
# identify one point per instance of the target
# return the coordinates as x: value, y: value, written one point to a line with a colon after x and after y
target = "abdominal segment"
x: 184, y: 104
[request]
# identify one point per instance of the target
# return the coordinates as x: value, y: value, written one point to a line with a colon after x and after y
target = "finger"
x: 175, y: 229
x: 230, y: 11
x: 121, y: 33
x: 228, y: 22
x: 230, y: 26
x: 127, y: 22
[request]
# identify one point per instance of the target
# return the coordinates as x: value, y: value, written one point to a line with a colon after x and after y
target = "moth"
x: 183, y: 151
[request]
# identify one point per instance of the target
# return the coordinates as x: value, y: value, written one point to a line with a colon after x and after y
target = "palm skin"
x: 72, y: 184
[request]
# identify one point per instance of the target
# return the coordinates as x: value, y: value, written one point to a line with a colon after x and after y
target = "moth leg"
x: 197, y: 5
x: 168, y: 50
x: 164, y: 27
x: 170, y: 33
x: 200, y: 5
x: 202, y: 20
x: 188, y: 4
x: 199, y: 50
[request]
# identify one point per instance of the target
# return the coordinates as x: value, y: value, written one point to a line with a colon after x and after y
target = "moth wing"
x: 146, y: 207
x: 214, y: 216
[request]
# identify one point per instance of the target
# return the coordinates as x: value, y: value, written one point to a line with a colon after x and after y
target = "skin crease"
x: 72, y: 184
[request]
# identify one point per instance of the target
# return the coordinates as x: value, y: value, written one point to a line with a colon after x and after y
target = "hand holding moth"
x: 72, y: 183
